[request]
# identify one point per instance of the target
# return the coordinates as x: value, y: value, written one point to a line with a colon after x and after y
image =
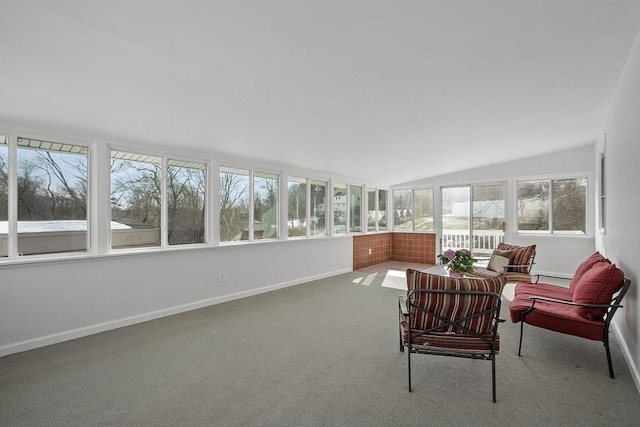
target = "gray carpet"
x: 320, y: 354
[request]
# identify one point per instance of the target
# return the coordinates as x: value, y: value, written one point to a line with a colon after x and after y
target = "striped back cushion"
x: 521, y: 256
x: 452, y: 306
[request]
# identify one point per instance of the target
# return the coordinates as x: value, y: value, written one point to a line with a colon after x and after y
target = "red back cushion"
x: 584, y: 267
x: 597, y: 286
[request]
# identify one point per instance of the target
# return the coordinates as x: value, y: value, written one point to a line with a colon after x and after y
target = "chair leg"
x: 606, y: 347
x: 409, y: 366
x: 493, y: 376
x: 521, y: 332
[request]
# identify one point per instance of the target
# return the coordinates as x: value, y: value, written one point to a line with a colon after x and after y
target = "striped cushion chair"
x: 446, y: 316
x: 521, y: 260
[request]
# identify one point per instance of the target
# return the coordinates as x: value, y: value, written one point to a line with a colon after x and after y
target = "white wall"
x: 621, y: 241
x: 555, y: 255
x: 48, y: 302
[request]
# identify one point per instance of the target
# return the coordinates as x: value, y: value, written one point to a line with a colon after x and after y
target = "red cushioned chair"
x: 584, y: 309
x: 444, y: 316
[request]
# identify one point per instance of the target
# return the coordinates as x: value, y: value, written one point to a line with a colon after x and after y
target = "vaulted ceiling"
x: 382, y: 91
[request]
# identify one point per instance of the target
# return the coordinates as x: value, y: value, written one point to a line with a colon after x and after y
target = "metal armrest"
x: 534, y: 298
x: 402, y: 301
x: 519, y: 265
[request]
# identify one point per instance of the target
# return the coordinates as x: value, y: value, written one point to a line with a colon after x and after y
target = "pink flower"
x: 449, y: 254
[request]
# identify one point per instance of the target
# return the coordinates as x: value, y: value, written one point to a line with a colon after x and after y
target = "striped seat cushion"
x: 455, y: 343
x: 515, y: 277
x: 485, y: 272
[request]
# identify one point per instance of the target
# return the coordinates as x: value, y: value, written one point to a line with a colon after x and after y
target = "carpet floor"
x: 324, y: 353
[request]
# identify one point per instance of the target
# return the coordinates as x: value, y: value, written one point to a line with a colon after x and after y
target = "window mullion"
x: 551, y: 206
x: 12, y: 217
x: 251, y: 204
x: 308, y: 207
x: 164, y: 205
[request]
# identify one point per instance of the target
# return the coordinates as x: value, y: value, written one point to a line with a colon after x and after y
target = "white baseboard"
x: 132, y: 320
x: 635, y: 374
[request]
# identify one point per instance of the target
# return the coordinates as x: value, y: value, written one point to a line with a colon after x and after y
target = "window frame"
x: 588, y: 207
x: 353, y: 227
x: 413, y: 209
x: 164, y: 160
x: 99, y: 180
x: 12, y: 143
x: 294, y: 179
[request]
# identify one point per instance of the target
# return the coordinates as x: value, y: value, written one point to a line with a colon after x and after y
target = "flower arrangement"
x: 459, y: 261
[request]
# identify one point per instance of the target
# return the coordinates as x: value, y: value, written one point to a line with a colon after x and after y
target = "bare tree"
x: 233, y: 188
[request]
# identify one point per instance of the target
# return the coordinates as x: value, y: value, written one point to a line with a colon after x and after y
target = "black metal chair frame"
x: 408, y: 310
x: 611, y: 309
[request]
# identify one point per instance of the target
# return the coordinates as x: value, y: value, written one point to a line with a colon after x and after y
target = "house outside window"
x: 339, y: 209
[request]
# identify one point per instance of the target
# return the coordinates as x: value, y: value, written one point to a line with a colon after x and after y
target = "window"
x: 355, y: 209
x: 377, y: 209
x: 240, y: 217
x: 402, y: 210
x: 136, y: 191
x: 413, y: 209
x: 371, y: 209
x: 473, y: 218
x: 318, y: 194
x: 234, y: 204
x: 186, y: 190
x: 340, y: 209
x: 423, y: 209
x: 52, y: 197
x: 382, y: 210
x: 4, y: 196
x: 552, y: 206
x: 265, y: 205
x: 297, y: 215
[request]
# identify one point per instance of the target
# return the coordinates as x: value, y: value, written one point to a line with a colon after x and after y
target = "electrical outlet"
x: 222, y: 277
x: 370, y: 251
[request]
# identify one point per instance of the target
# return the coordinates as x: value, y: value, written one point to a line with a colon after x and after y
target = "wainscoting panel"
x: 373, y: 249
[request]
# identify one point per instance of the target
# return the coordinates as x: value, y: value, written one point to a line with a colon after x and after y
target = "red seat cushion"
x: 597, y: 286
x: 542, y: 289
x: 556, y: 317
x: 586, y: 265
